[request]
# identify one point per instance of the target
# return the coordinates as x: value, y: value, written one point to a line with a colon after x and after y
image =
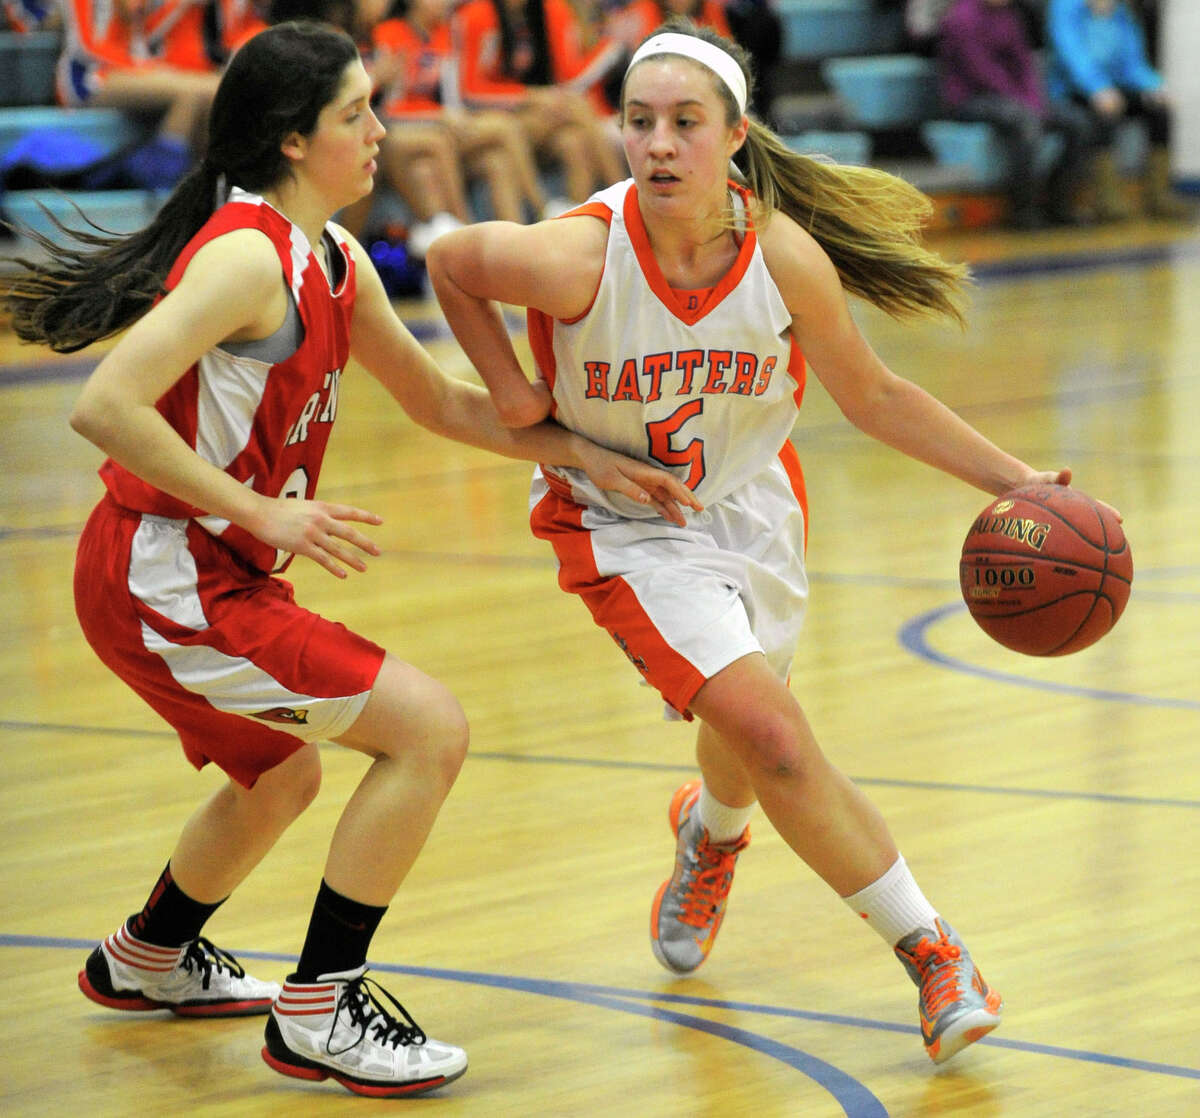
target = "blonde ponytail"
x: 868, y: 221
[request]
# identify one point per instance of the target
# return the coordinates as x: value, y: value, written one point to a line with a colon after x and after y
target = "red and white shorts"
x: 220, y: 650
x: 683, y: 603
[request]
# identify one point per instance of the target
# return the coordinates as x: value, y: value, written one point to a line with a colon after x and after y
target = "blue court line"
x: 852, y: 1096
x: 1140, y: 256
x: 844, y: 1089
x: 669, y: 767
x: 913, y: 636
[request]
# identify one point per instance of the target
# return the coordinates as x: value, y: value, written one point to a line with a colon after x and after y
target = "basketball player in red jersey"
x: 673, y: 317
x: 215, y: 408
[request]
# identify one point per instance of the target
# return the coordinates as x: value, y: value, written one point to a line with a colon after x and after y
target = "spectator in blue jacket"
x: 1098, y: 61
x: 988, y: 72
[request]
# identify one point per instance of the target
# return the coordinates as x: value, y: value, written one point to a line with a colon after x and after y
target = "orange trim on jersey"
x: 613, y: 604
x: 798, y: 371
x: 640, y: 240
x: 790, y: 457
x: 540, y: 328
x: 601, y: 211
x: 540, y: 325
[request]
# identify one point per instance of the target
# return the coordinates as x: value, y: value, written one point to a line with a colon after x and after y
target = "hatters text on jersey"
x: 684, y: 372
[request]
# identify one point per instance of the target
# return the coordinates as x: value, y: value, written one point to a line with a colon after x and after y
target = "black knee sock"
x: 339, y: 934
x: 170, y: 917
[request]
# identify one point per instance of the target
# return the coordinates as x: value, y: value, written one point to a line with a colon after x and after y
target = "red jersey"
x: 266, y: 425
x: 424, y: 58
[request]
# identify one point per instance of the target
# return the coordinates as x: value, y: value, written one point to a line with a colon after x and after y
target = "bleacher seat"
x: 116, y: 211
x: 974, y: 147
x: 27, y: 67
x: 119, y: 211
x: 841, y: 147
x: 966, y: 144
x: 110, y: 129
x: 884, y: 91
x: 816, y: 29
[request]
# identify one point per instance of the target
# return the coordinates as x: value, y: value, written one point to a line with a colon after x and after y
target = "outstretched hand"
x: 640, y: 482
x: 321, y: 531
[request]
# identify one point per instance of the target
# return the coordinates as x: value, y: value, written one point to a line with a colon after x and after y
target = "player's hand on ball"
x: 1063, y: 477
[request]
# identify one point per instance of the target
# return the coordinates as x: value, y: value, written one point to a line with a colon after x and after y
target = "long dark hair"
x: 868, y: 221
x: 540, y: 70
x: 275, y: 85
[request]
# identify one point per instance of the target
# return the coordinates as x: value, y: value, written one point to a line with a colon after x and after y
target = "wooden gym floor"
x: 1051, y: 809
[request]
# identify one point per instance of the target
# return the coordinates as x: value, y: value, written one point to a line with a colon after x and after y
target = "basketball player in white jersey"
x: 673, y: 317
x: 214, y: 409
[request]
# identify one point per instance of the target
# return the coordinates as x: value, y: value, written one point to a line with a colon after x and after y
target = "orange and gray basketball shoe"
x: 688, y: 909
x: 195, y: 980
x: 957, y: 1007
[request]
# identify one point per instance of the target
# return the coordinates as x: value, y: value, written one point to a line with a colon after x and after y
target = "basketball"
x: 1046, y: 570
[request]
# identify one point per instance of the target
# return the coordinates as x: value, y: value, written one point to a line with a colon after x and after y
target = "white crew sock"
x: 722, y: 822
x: 894, y: 904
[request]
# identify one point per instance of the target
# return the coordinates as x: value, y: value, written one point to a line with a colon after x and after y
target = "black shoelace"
x: 366, y: 1011
x: 204, y: 956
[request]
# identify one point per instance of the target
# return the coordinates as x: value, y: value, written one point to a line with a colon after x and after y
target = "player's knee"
x: 570, y: 145
x: 305, y: 788
x: 453, y: 740
x: 775, y: 751
x: 436, y: 738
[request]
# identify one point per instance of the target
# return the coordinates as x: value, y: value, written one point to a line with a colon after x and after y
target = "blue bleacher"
x: 854, y: 85
x: 884, y: 91
x: 841, y: 147
x: 109, y: 129
x: 114, y: 211
x: 966, y: 144
x: 118, y: 211
x: 816, y: 29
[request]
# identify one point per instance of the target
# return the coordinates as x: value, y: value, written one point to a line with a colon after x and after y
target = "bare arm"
x: 877, y: 401
x: 232, y: 289
x: 466, y: 412
x: 554, y: 266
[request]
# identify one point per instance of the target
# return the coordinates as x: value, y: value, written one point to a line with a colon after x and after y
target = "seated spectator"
x: 1098, y: 62
x: 110, y: 59
x: 527, y: 57
x: 988, y: 73
x: 630, y: 23
x: 922, y: 23
x: 412, y: 54
x: 237, y: 21
x: 752, y: 23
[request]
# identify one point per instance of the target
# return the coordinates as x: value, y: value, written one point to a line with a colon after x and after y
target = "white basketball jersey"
x: 705, y: 383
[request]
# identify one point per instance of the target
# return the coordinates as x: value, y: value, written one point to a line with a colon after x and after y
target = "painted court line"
x: 855, y: 1099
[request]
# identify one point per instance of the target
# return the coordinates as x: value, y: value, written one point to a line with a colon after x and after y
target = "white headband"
x: 699, y: 50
